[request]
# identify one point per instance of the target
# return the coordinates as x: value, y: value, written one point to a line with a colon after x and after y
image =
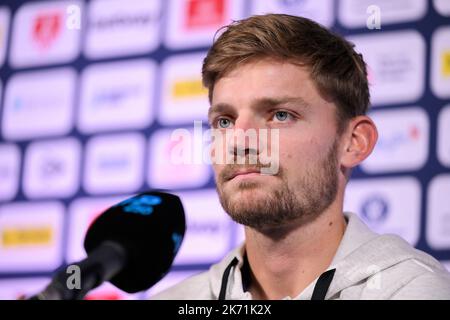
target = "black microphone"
x: 132, y: 244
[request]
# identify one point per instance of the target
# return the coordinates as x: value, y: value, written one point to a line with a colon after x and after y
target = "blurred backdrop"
x: 91, y: 91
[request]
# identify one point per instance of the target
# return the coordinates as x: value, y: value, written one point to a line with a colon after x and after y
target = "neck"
x: 285, y: 261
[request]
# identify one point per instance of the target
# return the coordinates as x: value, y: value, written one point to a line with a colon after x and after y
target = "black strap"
x: 246, y: 274
x: 226, y: 274
x: 322, y: 285
x: 319, y: 293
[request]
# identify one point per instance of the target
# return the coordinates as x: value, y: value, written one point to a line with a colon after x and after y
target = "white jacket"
x: 367, y: 266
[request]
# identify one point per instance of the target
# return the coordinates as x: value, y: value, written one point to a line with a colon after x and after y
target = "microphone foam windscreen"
x: 150, y: 226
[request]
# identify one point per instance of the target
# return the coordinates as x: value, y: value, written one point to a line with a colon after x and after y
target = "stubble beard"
x: 253, y: 204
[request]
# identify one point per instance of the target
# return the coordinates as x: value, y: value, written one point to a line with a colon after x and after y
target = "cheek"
x: 298, y: 152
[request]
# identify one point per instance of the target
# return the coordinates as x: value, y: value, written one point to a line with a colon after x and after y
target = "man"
x: 286, y: 73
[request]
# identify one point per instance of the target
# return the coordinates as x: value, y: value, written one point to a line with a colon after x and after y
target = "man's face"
x: 272, y: 95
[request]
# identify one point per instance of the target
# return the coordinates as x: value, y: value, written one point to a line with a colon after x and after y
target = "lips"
x: 243, y: 172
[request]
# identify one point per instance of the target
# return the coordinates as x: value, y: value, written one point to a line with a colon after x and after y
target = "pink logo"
x: 205, y: 13
x: 46, y: 28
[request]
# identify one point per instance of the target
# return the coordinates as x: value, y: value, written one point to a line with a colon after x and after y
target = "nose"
x: 244, y: 140
x: 246, y: 121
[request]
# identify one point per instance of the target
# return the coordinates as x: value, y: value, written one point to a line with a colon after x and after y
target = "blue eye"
x: 224, y: 123
x: 281, y: 115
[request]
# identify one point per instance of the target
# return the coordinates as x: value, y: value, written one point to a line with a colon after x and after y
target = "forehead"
x: 265, y: 78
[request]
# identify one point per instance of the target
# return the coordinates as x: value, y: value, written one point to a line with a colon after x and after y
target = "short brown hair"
x: 338, y: 72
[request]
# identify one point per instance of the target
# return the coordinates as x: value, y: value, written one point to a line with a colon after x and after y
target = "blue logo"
x: 114, y: 163
x: 293, y: 4
x: 176, y: 238
x: 290, y: 3
x: 141, y: 204
x: 115, y: 96
x: 375, y: 209
x: 398, y: 139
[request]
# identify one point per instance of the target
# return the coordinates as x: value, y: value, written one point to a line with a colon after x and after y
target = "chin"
x: 248, y: 193
x: 234, y: 187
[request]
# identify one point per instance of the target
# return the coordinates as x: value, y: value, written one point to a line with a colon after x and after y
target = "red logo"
x: 106, y: 295
x: 46, y: 28
x: 414, y: 132
x: 205, y: 13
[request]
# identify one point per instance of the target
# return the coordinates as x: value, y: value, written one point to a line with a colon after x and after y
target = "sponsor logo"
x: 320, y: 11
x: 208, y: 232
x: 43, y: 33
x: 46, y: 28
x: 375, y: 209
x: 438, y: 213
x: 33, y: 100
x: 380, y: 203
x: 112, y: 99
x: 183, y: 99
x: 397, y: 62
x: 445, y: 62
x: 117, y: 96
x: 109, y: 292
x: 412, y: 134
x: 403, y: 141
x: 188, y: 88
x: 443, y: 137
x: 354, y: 13
x: 193, y: 23
x: 165, y: 173
x: 117, y: 22
x: 114, y: 163
x: 52, y: 168
x: 104, y: 295
x: 136, y: 25
x: 23, y: 237
x: 205, y: 13
x: 31, y: 236
x: 440, y: 62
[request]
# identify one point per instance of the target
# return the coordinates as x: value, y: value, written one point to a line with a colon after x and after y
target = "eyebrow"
x: 266, y: 102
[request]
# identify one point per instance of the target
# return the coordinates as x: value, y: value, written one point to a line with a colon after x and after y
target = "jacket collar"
x: 356, y: 235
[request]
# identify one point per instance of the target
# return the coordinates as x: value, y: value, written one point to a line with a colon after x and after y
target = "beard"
x: 284, y: 204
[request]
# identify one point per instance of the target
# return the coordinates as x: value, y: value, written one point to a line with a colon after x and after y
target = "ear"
x: 358, y: 140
